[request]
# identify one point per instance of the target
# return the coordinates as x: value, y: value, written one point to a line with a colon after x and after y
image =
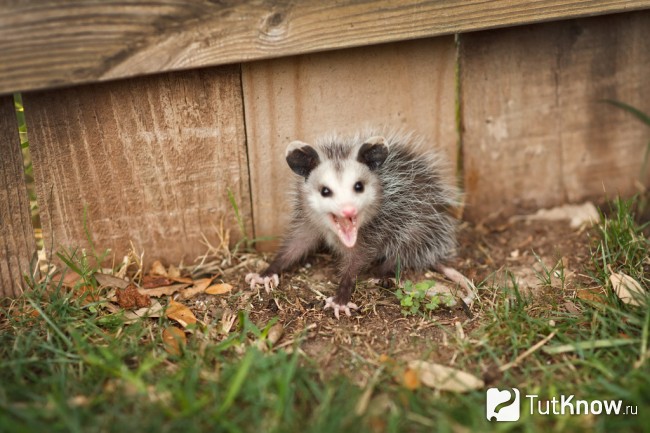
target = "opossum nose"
x: 348, y: 211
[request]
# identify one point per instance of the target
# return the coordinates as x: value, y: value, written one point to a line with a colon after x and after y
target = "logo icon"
x: 502, y: 405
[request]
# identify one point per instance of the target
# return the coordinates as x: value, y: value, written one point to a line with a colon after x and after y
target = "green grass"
x: 70, y: 367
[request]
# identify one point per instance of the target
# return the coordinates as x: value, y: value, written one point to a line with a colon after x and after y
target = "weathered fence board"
x: 47, y: 43
x: 151, y: 159
x: 16, y: 233
x: 535, y: 131
x: 409, y: 85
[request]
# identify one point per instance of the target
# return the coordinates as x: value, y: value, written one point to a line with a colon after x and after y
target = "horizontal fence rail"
x: 53, y: 43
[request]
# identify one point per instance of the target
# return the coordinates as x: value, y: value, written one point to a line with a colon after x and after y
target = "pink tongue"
x: 347, y: 231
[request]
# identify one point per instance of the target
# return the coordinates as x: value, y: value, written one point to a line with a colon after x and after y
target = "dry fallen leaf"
x: 155, y: 310
x: 174, y: 340
x: 444, y: 378
x: 627, y: 288
x: 107, y: 280
x: 173, y: 272
x: 218, y: 289
x: 275, y: 333
x: 410, y: 379
x: 182, y: 280
x: 163, y: 291
x: 157, y: 268
x: 593, y: 294
x: 199, y: 286
x: 152, y: 281
x: 180, y: 313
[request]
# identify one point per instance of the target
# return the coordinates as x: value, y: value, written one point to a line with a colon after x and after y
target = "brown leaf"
x: 275, y: 333
x: 218, y: 289
x: 182, y: 280
x: 153, y: 281
x: 107, y: 280
x: 411, y: 380
x: 155, y: 310
x: 445, y: 378
x: 157, y: 268
x: 174, y: 340
x: 130, y: 298
x: 173, y: 272
x: 180, y: 313
x: 199, y: 286
x: 163, y: 291
x: 591, y: 294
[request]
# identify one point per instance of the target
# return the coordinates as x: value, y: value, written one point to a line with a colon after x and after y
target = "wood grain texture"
x: 536, y: 133
x: 151, y: 159
x: 406, y: 85
x: 16, y: 232
x: 49, y: 43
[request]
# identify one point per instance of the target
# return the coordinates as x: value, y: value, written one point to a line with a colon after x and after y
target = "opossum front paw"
x: 330, y: 303
x: 270, y: 282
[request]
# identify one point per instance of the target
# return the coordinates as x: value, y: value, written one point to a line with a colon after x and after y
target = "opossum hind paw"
x: 329, y: 303
x: 270, y: 282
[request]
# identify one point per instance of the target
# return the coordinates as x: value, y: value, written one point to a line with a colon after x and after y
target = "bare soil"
x: 492, y: 255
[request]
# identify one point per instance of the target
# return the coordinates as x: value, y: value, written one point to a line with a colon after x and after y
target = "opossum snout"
x: 348, y: 211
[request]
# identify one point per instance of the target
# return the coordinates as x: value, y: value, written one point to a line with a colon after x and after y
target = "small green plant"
x: 415, y: 298
x: 548, y: 275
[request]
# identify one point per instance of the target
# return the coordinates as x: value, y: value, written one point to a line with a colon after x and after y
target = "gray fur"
x: 412, y: 219
x: 408, y: 221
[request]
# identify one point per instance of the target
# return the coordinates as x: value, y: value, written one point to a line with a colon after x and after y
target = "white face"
x: 342, y: 198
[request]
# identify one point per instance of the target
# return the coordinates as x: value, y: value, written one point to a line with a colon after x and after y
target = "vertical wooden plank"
x: 151, y: 159
x: 607, y: 58
x: 408, y: 85
x: 16, y: 232
x: 535, y: 131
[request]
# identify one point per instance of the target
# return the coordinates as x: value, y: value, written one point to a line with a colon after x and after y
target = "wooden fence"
x: 144, y: 116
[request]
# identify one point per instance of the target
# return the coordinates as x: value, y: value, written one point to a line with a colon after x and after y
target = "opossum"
x: 377, y: 201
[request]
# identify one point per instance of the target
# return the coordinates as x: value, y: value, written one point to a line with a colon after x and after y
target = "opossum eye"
x: 358, y: 187
x: 325, y: 191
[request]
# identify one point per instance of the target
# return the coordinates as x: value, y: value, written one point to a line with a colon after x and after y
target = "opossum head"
x: 341, y: 190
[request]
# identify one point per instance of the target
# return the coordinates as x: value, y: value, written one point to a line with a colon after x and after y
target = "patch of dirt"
x: 491, y: 256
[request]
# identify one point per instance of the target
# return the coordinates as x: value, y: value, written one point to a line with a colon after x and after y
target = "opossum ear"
x: 373, y: 152
x: 302, y: 158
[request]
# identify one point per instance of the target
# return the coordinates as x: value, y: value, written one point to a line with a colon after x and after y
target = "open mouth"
x: 346, y: 229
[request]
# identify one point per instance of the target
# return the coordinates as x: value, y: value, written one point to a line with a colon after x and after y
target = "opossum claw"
x: 329, y: 303
x: 270, y: 282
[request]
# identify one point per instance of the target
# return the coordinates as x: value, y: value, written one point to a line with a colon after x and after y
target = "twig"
x: 527, y: 353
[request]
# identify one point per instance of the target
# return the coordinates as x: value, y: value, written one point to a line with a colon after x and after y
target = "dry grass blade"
x: 528, y: 352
